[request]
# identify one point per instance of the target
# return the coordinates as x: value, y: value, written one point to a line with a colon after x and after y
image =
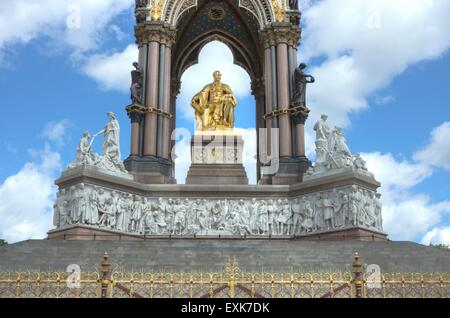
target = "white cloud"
x: 437, y: 152
x: 412, y: 216
x: 56, y: 131
x: 438, y: 235
x: 365, y: 45
x: 396, y: 175
x: 405, y: 214
x: 31, y: 218
x: 214, y: 56
x: 24, y: 20
x: 112, y: 71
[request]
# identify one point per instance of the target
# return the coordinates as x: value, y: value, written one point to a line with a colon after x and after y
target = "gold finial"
x: 279, y: 6
x: 157, y: 8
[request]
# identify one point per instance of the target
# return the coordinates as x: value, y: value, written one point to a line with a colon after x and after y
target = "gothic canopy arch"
x: 221, y: 20
x: 262, y: 10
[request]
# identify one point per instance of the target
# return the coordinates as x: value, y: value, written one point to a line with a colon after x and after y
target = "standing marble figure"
x: 111, y: 159
x: 301, y: 79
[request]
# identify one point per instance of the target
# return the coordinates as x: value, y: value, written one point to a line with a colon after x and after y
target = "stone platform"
x: 210, y: 254
x: 217, y: 159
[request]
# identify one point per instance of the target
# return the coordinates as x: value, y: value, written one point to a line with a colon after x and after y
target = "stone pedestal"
x: 150, y: 169
x: 217, y: 159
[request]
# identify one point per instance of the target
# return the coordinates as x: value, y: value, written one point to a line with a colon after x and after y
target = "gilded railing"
x: 232, y: 282
x: 49, y: 285
x: 410, y: 285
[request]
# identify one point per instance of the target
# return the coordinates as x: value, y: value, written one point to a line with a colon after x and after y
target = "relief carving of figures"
x: 77, y: 203
x: 284, y: 217
x: 217, y: 221
x: 244, y: 217
x: 297, y: 217
x: 341, y: 218
x: 262, y: 219
x: 254, y: 206
x: 122, y: 213
x: 328, y: 213
x: 60, y: 209
x: 318, y: 213
x: 339, y: 208
x: 160, y: 218
x: 308, y: 223
x: 272, y: 212
x: 203, y: 218
x: 91, y: 214
x: 136, y: 214
x: 180, y: 210
x: 378, y: 211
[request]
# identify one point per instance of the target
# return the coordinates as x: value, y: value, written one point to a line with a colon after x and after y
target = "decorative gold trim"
x: 279, y: 10
x: 284, y: 111
x: 148, y: 110
x: 157, y: 8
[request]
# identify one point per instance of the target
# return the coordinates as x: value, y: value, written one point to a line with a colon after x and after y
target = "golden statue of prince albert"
x: 214, y: 106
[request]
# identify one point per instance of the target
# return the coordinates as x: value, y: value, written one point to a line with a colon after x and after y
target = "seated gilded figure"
x: 214, y: 106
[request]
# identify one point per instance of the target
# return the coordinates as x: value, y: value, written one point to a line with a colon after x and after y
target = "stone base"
x: 347, y: 234
x: 150, y: 170
x: 89, y: 233
x: 209, y: 174
x: 217, y: 159
x: 291, y: 171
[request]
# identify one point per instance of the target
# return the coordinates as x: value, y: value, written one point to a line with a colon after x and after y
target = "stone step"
x: 185, y: 255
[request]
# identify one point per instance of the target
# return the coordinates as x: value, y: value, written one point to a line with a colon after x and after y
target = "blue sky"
x: 380, y: 77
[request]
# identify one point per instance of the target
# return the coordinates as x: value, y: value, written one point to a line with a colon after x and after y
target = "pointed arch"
x: 261, y: 9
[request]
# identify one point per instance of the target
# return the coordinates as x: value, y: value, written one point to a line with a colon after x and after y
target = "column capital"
x: 300, y: 115
x: 278, y: 33
x: 155, y: 32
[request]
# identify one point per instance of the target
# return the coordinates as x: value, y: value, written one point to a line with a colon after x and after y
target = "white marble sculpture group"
x: 110, y: 209
x: 111, y: 159
x: 332, y: 151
